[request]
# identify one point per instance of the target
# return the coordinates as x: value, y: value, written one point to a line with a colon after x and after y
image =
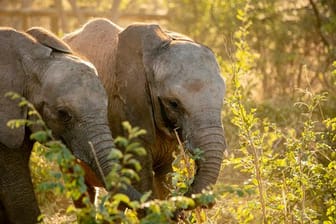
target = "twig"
x: 318, y: 23
x: 185, y: 158
x: 98, y: 166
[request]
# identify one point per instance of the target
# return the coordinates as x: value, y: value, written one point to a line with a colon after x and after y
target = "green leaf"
x: 17, y: 123
x: 40, y: 136
x: 121, y: 198
x: 121, y: 141
x: 116, y: 154
x: 135, y: 163
x: 140, y: 151
x: 145, y: 196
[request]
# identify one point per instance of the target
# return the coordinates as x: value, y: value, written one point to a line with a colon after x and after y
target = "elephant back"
x: 97, y: 41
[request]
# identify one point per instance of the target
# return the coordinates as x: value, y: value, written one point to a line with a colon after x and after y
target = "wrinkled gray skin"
x: 159, y: 81
x: 67, y: 93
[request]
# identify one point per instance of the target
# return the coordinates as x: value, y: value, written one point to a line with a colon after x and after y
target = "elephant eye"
x: 64, y: 115
x: 173, y: 104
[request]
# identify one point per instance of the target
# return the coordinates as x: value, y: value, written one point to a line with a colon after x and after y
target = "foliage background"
x: 278, y: 61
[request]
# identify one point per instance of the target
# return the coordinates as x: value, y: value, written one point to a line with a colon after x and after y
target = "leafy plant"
x: 285, y: 167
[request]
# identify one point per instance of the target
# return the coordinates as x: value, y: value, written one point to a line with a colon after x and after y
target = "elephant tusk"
x: 98, y: 166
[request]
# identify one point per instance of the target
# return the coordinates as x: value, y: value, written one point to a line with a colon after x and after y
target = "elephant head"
x: 160, y: 81
x: 173, y: 83
x: 64, y: 89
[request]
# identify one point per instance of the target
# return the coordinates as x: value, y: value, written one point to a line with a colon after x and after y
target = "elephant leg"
x: 162, y: 181
x: 17, y: 193
x: 20, y: 203
x: 3, y: 217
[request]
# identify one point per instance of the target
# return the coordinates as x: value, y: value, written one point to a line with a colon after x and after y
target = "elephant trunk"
x: 209, y: 138
x: 101, y: 144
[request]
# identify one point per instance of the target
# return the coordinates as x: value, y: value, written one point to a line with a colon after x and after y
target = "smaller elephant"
x: 66, y: 91
x: 162, y: 82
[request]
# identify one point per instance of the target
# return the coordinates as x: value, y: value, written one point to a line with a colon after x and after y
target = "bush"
x: 289, y: 171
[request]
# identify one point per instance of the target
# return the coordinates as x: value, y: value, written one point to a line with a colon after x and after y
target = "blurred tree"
x: 62, y: 16
x: 294, y: 39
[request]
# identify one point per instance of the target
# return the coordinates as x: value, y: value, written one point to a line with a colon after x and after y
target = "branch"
x: 318, y: 23
x: 76, y: 11
x: 115, y: 14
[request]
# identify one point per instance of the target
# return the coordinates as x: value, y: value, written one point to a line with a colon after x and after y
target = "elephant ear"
x: 20, y: 56
x: 138, y: 46
x: 11, y: 80
x: 49, y: 39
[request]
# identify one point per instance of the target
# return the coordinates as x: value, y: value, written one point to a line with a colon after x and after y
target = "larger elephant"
x: 66, y: 91
x: 162, y: 82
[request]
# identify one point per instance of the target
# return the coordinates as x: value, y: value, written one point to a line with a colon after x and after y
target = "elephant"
x: 68, y: 94
x: 165, y: 83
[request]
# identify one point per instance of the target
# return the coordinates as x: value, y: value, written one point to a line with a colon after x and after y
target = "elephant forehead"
x: 78, y: 98
x: 73, y: 85
x: 195, y: 81
x: 71, y: 74
x: 186, y: 51
x: 79, y: 104
x: 194, y: 91
x: 194, y: 85
x: 187, y: 61
x: 69, y: 64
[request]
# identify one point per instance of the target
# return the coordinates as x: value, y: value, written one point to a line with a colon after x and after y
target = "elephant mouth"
x: 177, y: 133
x: 86, y: 165
x: 169, y: 127
x: 90, y: 175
